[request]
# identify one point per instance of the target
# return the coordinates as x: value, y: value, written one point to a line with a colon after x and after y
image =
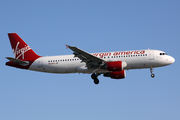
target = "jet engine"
x: 116, y: 74
x: 114, y: 66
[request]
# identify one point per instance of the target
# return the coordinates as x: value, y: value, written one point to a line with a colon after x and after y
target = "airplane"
x: 109, y: 64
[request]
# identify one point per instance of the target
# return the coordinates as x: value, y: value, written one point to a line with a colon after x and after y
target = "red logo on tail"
x: 20, y: 52
x: 20, y: 49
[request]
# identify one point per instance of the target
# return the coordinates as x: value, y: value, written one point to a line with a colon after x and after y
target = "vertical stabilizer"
x: 20, y: 49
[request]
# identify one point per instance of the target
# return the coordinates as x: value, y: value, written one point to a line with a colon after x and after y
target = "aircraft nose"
x: 171, y: 60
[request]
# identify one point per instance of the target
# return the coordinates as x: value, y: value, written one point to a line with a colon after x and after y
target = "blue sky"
x: 94, y: 26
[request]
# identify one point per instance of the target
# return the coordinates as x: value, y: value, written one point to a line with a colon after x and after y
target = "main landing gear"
x: 94, y: 77
x: 152, y: 74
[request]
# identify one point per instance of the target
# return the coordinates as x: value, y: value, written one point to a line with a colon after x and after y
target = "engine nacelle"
x: 116, y: 75
x: 116, y: 65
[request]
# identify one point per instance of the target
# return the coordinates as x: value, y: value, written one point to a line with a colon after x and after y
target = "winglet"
x: 67, y: 46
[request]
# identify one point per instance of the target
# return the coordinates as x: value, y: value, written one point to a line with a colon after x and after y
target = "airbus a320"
x: 108, y: 64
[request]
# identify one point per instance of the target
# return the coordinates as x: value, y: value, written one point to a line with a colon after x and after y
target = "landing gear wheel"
x: 96, y: 81
x: 93, y: 76
x: 152, y: 75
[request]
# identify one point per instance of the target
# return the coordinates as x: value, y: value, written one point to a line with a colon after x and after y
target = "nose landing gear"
x: 152, y: 74
x: 94, y: 77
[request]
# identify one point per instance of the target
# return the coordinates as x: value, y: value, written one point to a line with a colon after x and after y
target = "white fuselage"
x: 135, y: 60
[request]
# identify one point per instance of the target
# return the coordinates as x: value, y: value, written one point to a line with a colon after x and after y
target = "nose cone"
x: 170, y: 60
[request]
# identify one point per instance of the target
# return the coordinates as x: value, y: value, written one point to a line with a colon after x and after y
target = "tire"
x: 93, y: 76
x: 152, y: 75
x: 96, y: 81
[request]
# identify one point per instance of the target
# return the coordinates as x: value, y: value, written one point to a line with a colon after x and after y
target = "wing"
x: 90, y: 60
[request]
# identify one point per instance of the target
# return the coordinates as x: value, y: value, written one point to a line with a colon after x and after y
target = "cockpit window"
x: 163, y: 54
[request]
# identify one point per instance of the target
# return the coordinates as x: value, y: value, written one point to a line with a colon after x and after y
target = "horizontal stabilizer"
x: 17, y: 61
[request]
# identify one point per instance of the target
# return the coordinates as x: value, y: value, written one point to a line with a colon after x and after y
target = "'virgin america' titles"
x: 119, y: 53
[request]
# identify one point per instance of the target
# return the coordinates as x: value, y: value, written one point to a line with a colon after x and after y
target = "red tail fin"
x: 20, y: 49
